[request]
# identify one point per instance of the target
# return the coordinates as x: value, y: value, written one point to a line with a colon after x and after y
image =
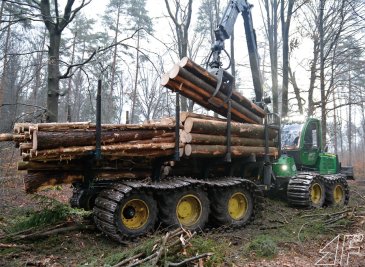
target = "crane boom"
x: 224, y: 32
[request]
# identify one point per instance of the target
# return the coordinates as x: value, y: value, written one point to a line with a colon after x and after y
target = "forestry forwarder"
x: 205, y: 187
x: 215, y: 190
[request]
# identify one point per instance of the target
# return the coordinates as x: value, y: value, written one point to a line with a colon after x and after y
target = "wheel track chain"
x: 105, y: 209
x: 331, y: 180
x: 106, y: 203
x: 298, y: 188
x: 251, y: 187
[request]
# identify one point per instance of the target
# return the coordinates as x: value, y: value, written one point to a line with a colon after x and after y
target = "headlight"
x: 284, y: 167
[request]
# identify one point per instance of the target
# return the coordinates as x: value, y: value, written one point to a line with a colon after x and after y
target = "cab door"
x: 310, y: 143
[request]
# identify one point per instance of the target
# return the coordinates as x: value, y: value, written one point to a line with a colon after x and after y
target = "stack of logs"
x: 58, y: 153
x: 199, y: 85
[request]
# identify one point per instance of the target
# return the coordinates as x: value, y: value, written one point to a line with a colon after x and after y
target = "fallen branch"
x: 125, y: 261
x: 162, y: 248
x: 43, y: 234
x: 172, y: 264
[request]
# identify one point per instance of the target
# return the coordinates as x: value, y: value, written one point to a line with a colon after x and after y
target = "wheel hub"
x: 237, y: 206
x: 135, y: 214
x: 316, y: 193
x: 188, y: 210
x: 338, y: 194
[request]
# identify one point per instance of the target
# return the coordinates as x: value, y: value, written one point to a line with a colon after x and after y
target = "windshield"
x: 290, y: 136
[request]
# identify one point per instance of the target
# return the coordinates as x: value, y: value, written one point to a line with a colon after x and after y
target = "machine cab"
x: 302, y: 142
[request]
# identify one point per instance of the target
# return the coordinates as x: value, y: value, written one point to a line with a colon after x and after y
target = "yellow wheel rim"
x: 316, y: 193
x: 188, y: 210
x: 135, y: 214
x: 237, y: 206
x: 338, y: 194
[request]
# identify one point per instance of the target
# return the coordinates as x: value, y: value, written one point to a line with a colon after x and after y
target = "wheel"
x: 231, y: 206
x: 317, y: 194
x: 83, y: 198
x: 136, y: 215
x: 124, y: 213
x: 187, y: 208
x: 337, y: 193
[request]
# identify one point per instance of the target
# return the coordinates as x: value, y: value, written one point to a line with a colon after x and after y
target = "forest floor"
x: 281, y: 236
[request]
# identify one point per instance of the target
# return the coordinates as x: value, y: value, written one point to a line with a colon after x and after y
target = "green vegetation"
x: 51, y: 212
x: 263, y: 246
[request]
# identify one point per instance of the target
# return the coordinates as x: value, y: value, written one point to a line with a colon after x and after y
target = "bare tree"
x: 180, y: 15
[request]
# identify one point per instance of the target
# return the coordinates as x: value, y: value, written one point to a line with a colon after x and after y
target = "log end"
x: 165, y: 79
x: 184, y: 61
x: 187, y: 150
x: 174, y: 72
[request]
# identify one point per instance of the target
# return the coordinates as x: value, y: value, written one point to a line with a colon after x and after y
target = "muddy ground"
x: 281, y: 236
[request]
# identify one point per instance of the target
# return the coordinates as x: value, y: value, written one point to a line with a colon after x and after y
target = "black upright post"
x: 177, y: 127
x: 98, y: 123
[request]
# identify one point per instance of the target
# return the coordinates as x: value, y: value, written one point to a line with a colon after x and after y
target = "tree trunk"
x: 322, y: 84
x: 285, y: 24
x: 134, y: 96
x: 69, y: 91
x: 313, y: 76
x: 115, y: 54
x: 3, y: 82
x: 53, y: 76
x: 272, y: 28
x: 335, y: 122
x: 296, y: 90
x: 349, y: 125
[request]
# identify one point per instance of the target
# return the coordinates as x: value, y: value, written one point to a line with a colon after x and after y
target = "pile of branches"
x: 171, y: 243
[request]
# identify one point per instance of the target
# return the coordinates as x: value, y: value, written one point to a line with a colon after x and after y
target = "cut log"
x: 185, y: 91
x: 184, y: 115
x: 211, y: 79
x: 87, y: 126
x: 207, y: 139
x: 21, y: 127
x: 183, y: 76
x: 37, y: 181
x: 25, y: 146
x: 217, y: 151
x: 47, y: 140
x: 6, y: 137
x: 41, y: 166
x: 193, y: 125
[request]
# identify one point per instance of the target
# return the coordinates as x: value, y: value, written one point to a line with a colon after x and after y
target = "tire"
x: 337, y: 193
x: 317, y: 193
x: 231, y: 206
x: 124, y: 213
x: 83, y: 198
x: 188, y: 208
x: 136, y: 215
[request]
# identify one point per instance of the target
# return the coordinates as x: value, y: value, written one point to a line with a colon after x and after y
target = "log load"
x: 197, y: 84
x: 62, y: 153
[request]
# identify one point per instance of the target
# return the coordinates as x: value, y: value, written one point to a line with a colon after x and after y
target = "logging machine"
x: 212, y: 169
x: 198, y: 185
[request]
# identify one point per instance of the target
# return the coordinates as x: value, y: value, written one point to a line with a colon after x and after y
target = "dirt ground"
x: 295, y: 237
